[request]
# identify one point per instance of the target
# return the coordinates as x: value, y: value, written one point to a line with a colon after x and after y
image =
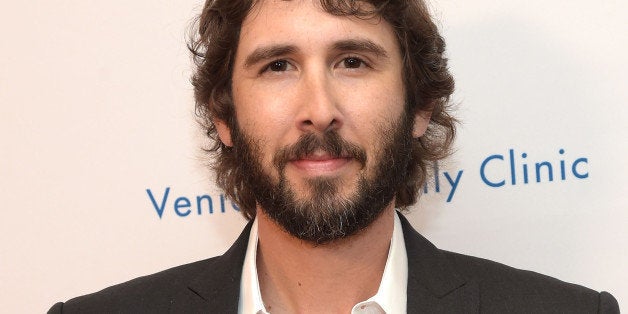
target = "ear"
x: 224, y: 132
x: 421, y: 121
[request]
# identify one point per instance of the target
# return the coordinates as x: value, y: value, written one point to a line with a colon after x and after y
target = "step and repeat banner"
x: 103, y: 177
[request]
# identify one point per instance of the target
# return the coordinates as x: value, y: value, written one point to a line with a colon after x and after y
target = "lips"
x: 323, y: 164
x: 320, y: 154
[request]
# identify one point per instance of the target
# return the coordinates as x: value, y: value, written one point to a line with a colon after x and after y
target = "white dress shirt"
x: 391, y: 296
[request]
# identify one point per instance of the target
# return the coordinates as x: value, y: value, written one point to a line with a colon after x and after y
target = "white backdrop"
x: 96, y: 108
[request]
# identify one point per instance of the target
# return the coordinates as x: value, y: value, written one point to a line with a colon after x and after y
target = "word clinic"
x: 182, y: 205
x: 522, y: 172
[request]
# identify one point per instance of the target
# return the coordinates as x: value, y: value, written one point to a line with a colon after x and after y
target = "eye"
x: 277, y: 66
x: 353, y: 63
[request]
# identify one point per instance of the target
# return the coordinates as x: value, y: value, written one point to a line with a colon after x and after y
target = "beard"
x: 326, y: 215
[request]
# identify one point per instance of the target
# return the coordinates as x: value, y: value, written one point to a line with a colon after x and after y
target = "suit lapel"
x: 217, y: 289
x: 434, y: 285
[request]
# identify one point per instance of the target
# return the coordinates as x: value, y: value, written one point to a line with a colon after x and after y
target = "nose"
x: 319, y: 109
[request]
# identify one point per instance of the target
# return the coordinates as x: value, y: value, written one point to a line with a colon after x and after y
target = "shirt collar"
x: 391, y: 295
x: 250, y: 294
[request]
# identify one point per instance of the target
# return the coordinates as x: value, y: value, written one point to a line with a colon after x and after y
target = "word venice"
x: 182, y: 206
x: 495, y: 171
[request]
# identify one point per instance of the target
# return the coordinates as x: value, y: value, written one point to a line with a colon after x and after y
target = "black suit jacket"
x: 438, y: 282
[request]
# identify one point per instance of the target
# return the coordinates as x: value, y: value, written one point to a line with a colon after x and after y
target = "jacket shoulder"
x: 147, y: 294
x: 507, y: 289
x: 192, y: 288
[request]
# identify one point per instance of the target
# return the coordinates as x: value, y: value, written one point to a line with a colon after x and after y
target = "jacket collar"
x: 434, y: 284
x: 217, y: 288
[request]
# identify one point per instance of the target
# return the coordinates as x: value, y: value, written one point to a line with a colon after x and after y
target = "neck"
x: 299, y: 276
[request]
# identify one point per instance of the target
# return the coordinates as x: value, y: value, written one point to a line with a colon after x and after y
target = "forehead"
x: 305, y: 23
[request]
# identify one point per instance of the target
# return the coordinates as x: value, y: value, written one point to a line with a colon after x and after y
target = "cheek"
x: 261, y: 113
x: 264, y: 119
x: 374, y: 111
x: 379, y: 126
x: 384, y: 96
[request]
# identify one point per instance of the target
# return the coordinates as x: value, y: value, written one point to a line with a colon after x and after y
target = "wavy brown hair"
x: 428, y: 84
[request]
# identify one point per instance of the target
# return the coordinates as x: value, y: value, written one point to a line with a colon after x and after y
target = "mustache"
x: 329, y: 142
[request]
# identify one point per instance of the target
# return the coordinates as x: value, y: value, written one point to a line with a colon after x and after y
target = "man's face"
x: 319, y: 102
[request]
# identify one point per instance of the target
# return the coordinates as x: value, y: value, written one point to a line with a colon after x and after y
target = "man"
x: 325, y: 115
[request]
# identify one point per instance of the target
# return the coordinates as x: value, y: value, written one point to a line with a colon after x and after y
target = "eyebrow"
x: 361, y: 45
x: 265, y: 53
